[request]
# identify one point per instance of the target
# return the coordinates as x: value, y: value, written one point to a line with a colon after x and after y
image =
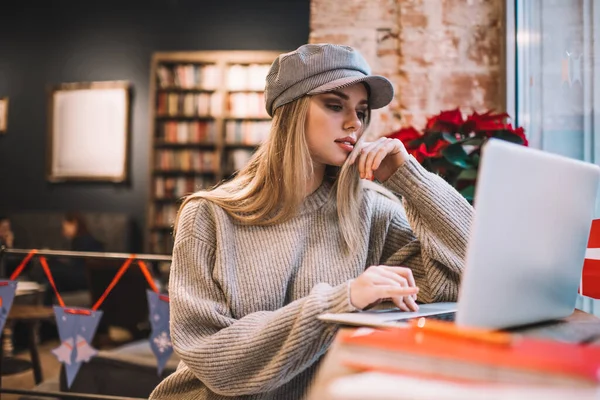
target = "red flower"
x: 446, y: 121
x: 486, y: 122
x: 520, y: 132
x: 436, y: 150
x: 417, y: 155
x: 405, y: 135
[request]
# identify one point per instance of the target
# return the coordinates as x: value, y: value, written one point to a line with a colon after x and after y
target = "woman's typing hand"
x: 382, y: 282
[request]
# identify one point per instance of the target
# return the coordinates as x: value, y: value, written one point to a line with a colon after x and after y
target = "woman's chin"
x: 337, y: 163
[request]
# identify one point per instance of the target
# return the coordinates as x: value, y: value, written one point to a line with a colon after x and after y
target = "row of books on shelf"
x: 161, y: 242
x: 237, y: 159
x: 188, y: 76
x: 189, y: 104
x: 208, y: 76
x: 247, y: 77
x: 240, y: 105
x: 165, y: 214
x: 247, y: 105
x: 177, y: 187
x: 185, y: 160
x: 246, y: 132
x: 187, y: 132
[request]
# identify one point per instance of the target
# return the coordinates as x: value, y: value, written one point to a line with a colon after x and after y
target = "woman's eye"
x: 361, y: 115
x: 334, y: 107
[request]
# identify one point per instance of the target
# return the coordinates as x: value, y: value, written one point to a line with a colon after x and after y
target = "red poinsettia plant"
x: 450, y: 145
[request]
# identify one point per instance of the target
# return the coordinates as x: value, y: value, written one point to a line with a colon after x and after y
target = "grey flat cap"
x: 319, y: 68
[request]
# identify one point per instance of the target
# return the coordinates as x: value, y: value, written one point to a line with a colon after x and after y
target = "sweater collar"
x: 318, y: 198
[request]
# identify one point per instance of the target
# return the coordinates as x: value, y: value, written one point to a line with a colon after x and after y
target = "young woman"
x: 298, y: 233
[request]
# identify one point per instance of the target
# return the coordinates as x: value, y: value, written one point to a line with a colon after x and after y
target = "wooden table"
x: 580, y: 326
x: 31, y: 315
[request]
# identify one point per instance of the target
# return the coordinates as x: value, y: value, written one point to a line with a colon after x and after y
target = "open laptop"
x: 533, y: 213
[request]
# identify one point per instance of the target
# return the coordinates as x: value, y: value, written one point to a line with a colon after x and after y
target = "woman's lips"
x: 346, y: 146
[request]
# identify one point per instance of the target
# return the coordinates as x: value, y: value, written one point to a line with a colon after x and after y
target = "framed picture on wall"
x: 3, y: 114
x: 89, y: 131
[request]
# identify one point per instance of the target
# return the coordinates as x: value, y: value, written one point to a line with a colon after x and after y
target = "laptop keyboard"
x: 443, y: 317
x: 449, y: 316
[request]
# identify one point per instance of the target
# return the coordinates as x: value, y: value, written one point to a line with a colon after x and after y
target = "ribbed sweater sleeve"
x: 254, y: 354
x: 439, y: 219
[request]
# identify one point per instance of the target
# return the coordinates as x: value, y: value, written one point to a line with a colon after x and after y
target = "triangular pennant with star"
x: 7, y: 295
x: 76, y: 329
x: 160, y: 337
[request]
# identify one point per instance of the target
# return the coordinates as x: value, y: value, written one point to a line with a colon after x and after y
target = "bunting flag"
x: 160, y: 337
x: 590, y: 277
x: 7, y: 295
x: 159, y: 315
x: 76, y: 330
x: 77, y: 326
x: 8, y: 289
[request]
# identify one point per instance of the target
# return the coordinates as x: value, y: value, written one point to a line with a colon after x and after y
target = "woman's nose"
x: 352, y: 123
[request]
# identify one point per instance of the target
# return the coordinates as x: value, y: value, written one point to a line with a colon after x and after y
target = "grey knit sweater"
x: 245, y: 299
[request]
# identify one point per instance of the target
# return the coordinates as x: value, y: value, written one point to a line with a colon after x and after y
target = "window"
x: 557, y: 80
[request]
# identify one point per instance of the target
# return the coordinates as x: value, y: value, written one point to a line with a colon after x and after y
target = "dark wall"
x: 45, y: 43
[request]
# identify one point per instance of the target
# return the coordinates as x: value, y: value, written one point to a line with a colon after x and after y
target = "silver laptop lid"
x: 533, y: 212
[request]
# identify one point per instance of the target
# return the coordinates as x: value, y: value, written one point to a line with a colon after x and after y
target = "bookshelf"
x: 207, y: 118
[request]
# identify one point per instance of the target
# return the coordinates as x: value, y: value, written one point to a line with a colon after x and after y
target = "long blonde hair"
x: 272, y: 186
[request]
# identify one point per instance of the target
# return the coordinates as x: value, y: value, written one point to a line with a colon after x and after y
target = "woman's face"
x: 4, y: 227
x: 69, y: 229
x: 334, y: 124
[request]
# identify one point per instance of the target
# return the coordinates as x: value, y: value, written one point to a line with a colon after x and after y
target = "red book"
x: 522, y: 360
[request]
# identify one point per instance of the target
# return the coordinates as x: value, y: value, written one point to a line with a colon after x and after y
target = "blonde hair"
x: 272, y: 186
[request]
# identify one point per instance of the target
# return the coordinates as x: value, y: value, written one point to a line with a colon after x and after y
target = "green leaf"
x: 449, y: 138
x: 508, y: 136
x: 472, y: 141
x: 431, y: 139
x: 468, y: 192
x: 456, y: 155
x: 467, y: 174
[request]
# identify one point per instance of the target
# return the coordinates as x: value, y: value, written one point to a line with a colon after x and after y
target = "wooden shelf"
x: 248, y: 118
x: 186, y: 117
x: 167, y: 200
x: 174, y: 68
x: 185, y: 90
x: 182, y: 172
x: 245, y: 90
x: 161, y: 228
x: 230, y: 146
x: 163, y: 144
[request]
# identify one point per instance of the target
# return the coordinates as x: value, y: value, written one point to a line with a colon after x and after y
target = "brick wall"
x: 440, y: 54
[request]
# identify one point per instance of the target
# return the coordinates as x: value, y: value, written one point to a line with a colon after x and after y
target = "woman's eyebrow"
x: 344, y: 96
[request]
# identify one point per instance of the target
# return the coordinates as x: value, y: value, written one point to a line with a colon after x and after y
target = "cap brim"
x: 382, y: 90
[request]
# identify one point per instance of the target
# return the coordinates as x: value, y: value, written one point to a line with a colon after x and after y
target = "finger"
x: 405, y: 272
x: 395, y: 291
x: 380, y: 279
x: 411, y: 303
x: 387, y: 148
x: 363, y: 158
x: 384, y: 276
x: 370, y: 156
x: 390, y: 274
x: 398, y: 301
x: 374, y: 153
x: 357, y: 150
x: 405, y: 303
